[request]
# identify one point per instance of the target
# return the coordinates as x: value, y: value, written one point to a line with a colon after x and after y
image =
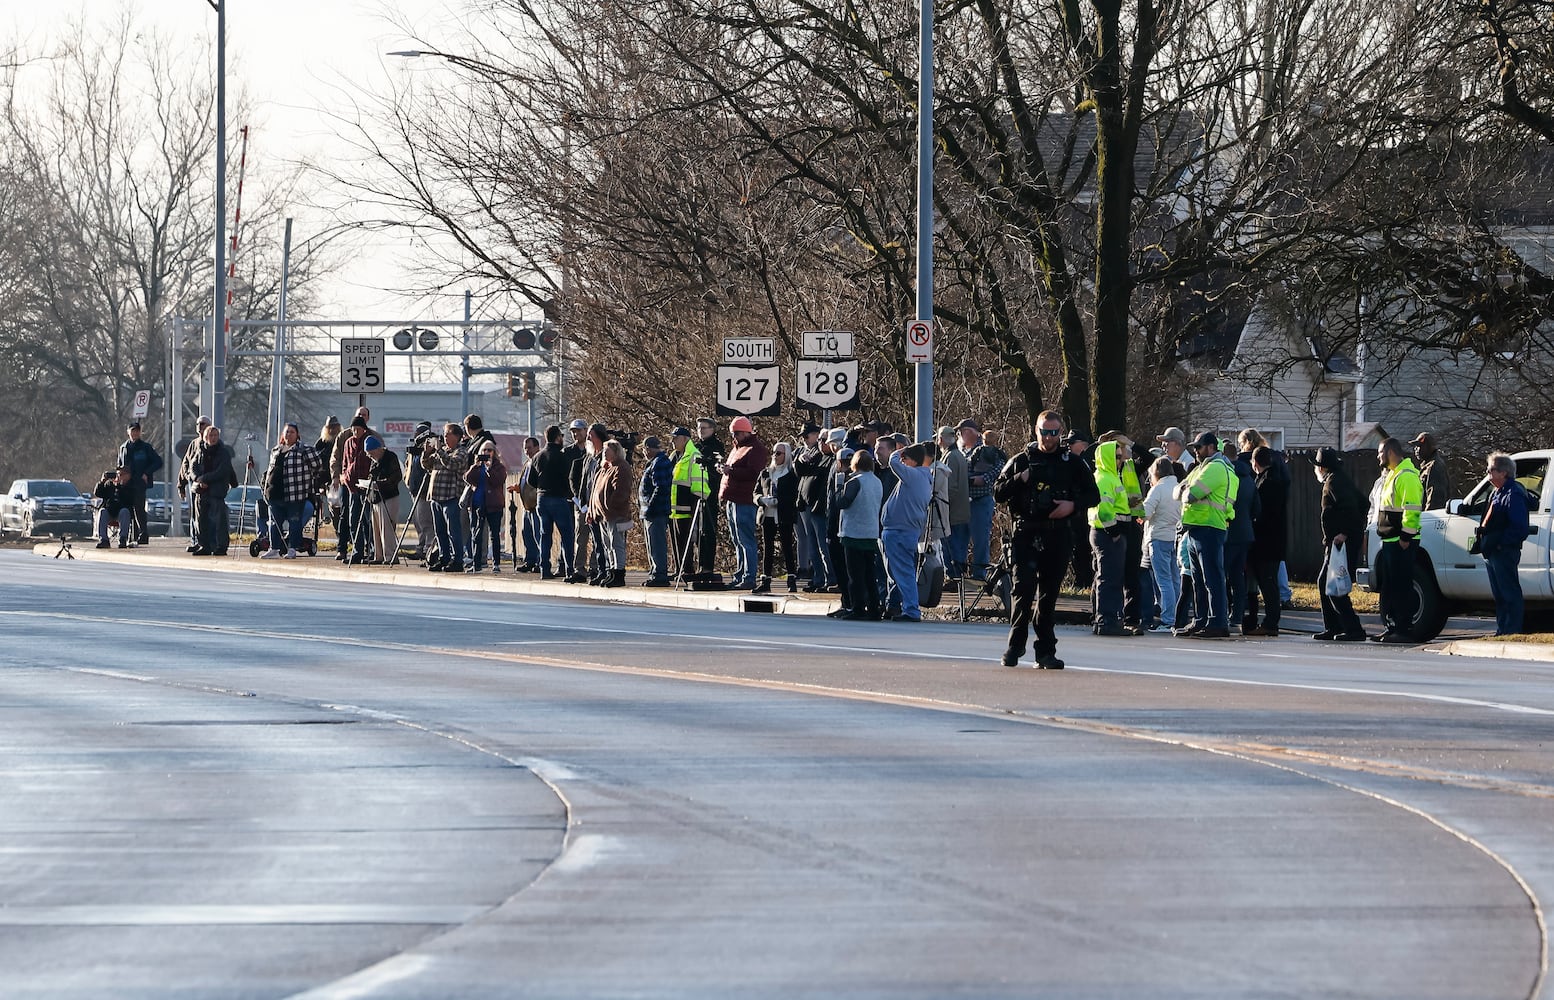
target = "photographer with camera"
x: 416, y: 483
x: 384, y: 476
x: 487, y: 482
x: 1045, y: 488
x: 448, y: 460
x: 111, y: 498
x: 709, y: 455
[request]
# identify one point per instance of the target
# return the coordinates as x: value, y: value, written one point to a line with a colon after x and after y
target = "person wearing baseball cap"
x: 143, y: 464
x: 957, y: 532
x: 689, y: 498
x: 1432, y: 472
x: 1208, y: 498
x: 1174, y: 441
x: 655, y: 489
x: 741, y: 471
x: 712, y: 452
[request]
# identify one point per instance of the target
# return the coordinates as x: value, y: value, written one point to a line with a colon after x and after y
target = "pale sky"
x: 293, y: 57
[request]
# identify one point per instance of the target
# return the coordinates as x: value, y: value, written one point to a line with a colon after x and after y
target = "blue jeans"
x: 817, y: 552
x: 1168, y: 579
x: 292, y: 513
x: 1285, y: 593
x: 449, y: 520
x: 556, y: 515
x: 1507, y: 589
x: 955, y: 544
x: 1207, y: 546
x: 747, y: 557
x: 901, y: 561
x: 126, y: 519
x: 657, y: 529
x: 981, y: 529
x: 531, y: 537
x: 490, y: 524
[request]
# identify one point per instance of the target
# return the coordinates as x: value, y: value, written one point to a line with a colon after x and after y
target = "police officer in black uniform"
x: 1046, y: 488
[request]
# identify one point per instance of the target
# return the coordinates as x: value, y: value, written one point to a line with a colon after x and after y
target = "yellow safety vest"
x: 1402, y: 498
x: 689, y: 478
x: 1114, y: 499
x: 1130, y: 484
x: 1209, y: 495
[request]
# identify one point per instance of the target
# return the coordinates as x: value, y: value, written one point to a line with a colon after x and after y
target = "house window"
x: 1274, y: 436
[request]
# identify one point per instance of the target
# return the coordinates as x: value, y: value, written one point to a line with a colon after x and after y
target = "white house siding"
x: 1263, y: 387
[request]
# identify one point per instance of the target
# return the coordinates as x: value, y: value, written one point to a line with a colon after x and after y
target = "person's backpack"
x: 273, y: 482
x: 930, y: 566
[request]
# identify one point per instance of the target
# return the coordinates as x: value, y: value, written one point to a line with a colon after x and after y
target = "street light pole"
x: 924, y: 381
x: 218, y: 330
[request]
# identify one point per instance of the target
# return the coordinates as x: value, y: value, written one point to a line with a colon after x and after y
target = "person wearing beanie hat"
x: 1343, y: 526
x: 384, y: 473
x: 741, y: 471
x: 355, y: 529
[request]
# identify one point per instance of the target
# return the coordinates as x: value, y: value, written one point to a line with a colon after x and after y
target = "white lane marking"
x: 369, y: 713
x: 1502, y: 706
x: 585, y: 851
x: 369, y: 980
x: 672, y: 673
x: 238, y: 914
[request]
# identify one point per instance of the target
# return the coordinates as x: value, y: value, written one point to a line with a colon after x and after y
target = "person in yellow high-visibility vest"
x: 1402, y: 498
x: 1106, y: 538
x: 688, y: 490
x: 1136, y: 606
x: 1208, y: 499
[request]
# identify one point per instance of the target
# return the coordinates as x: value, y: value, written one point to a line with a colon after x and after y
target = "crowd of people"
x: 1187, y: 537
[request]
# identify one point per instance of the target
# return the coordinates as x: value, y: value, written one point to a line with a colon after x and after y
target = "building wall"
x: 1264, y: 388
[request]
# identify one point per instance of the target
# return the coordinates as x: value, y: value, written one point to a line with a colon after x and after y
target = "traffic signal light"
x: 528, y: 385
x: 523, y: 338
x: 547, y: 337
x: 514, y: 385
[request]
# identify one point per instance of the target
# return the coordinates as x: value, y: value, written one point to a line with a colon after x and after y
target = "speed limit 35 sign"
x: 361, y: 365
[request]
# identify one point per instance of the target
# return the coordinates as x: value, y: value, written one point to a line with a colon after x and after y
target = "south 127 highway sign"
x: 744, y: 391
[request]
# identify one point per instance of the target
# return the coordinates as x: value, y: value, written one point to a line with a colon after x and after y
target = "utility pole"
x: 924, y: 382
x: 464, y: 361
x: 218, y: 326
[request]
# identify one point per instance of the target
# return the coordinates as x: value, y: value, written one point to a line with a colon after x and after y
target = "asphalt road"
x: 220, y: 785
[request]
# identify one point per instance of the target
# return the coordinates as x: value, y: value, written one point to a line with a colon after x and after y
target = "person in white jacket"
x: 1162, y: 519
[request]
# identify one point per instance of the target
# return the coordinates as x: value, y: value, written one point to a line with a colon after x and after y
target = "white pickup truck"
x: 1449, y: 579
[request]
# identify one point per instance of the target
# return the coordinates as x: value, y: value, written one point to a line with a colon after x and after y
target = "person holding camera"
x: 1045, y: 487
x: 384, y: 474
x: 487, y: 482
x: 447, y: 460
x: 111, y: 498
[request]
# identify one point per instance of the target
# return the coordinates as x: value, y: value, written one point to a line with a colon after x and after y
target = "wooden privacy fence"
x: 1304, y: 555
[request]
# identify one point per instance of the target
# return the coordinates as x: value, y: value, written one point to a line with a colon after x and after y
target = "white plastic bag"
x: 1339, y: 583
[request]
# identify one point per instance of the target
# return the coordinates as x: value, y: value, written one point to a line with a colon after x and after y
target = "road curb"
x: 323, y: 568
x: 1499, y: 650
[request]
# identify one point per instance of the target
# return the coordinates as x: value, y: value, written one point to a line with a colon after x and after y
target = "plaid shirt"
x: 298, y: 466
x: 447, y: 466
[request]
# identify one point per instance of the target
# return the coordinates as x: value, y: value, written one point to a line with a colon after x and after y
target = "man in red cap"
x: 741, y: 470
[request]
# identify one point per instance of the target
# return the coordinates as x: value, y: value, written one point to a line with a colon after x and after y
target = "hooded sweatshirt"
x: 907, y: 508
